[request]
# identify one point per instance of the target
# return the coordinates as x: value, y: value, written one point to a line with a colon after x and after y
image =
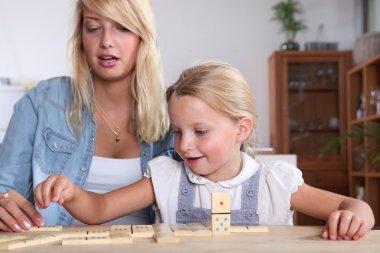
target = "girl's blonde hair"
x: 223, y: 88
x: 147, y: 87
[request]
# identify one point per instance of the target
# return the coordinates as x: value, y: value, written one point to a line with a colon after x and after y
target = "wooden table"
x: 278, y: 239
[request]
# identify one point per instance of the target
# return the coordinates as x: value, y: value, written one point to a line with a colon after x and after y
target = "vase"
x: 290, y: 46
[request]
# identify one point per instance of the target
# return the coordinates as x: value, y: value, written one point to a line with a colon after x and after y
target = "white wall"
x: 34, y: 34
x: 373, y: 16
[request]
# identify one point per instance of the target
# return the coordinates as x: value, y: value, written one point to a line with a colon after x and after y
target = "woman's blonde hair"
x: 223, y: 88
x: 147, y: 88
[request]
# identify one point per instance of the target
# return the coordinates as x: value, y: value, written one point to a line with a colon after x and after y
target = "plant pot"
x: 290, y: 46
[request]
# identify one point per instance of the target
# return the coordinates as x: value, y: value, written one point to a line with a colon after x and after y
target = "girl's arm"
x: 93, y: 208
x: 347, y: 218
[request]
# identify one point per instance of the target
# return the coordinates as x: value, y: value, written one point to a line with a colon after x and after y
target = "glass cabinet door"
x: 313, y: 106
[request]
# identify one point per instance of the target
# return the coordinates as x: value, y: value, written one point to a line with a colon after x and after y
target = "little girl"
x: 213, y: 117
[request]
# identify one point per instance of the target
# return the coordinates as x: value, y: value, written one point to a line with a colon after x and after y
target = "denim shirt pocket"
x: 54, y: 152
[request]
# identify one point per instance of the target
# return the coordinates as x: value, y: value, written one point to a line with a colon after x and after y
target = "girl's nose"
x: 185, y: 143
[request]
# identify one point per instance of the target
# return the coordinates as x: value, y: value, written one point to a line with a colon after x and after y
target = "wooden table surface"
x: 278, y: 239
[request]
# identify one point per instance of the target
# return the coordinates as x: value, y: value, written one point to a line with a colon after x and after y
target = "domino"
x: 220, y: 202
x: 120, y: 238
x: 86, y: 233
x: 75, y: 234
x: 221, y: 224
x: 122, y: 229
x: 29, y: 241
x: 98, y: 233
x: 14, y: 244
x: 44, y: 229
x: 86, y: 241
x: 7, y: 238
x: 249, y: 229
x: 257, y: 229
x: 45, y: 239
x: 239, y: 229
x: 164, y: 234
x: 140, y: 231
x: 199, y: 229
x: 181, y: 230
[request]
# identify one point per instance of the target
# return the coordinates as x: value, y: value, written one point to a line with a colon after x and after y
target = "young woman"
x: 99, y: 128
x: 213, y: 117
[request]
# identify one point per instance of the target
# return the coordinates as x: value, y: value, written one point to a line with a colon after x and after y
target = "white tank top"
x: 107, y: 174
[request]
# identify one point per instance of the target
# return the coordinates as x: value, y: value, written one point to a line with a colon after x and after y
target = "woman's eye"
x: 124, y: 29
x: 92, y: 29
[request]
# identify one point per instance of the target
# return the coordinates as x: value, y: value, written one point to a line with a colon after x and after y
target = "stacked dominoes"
x: 220, y: 213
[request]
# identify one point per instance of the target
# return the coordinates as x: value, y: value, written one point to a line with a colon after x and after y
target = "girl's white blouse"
x: 278, y: 181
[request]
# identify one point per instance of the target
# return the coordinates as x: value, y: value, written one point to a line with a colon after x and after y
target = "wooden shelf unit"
x: 364, y: 176
x: 307, y: 109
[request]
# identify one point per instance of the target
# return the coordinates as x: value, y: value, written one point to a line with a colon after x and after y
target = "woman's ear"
x: 245, y: 127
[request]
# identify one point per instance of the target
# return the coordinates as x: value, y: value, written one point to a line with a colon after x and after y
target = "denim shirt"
x: 38, y: 143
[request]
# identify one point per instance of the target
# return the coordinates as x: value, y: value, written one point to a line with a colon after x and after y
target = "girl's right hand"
x: 56, y: 188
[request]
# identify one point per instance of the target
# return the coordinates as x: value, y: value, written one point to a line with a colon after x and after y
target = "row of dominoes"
x: 118, y: 234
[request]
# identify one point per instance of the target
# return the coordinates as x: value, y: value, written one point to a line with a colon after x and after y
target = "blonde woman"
x: 213, y: 116
x: 100, y: 127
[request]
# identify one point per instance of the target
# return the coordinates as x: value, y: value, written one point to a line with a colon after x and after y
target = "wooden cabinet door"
x: 308, y: 109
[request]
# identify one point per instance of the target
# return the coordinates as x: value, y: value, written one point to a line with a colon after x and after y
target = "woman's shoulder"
x: 51, y: 86
x: 56, y: 90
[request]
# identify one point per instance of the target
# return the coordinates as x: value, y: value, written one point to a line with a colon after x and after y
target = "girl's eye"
x: 177, y: 132
x: 201, y: 132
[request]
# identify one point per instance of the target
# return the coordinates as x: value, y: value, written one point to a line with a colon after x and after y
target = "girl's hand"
x: 56, y: 188
x: 344, y: 224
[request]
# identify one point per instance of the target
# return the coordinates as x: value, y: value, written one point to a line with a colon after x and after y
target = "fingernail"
x: 332, y: 237
x: 40, y: 222
x: 27, y: 224
x: 17, y: 227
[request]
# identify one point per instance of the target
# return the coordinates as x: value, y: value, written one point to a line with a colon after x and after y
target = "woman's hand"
x: 17, y: 213
x: 344, y: 224
x: 56, y: 188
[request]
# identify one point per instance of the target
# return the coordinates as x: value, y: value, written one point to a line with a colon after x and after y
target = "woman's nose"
x: 106, y: 41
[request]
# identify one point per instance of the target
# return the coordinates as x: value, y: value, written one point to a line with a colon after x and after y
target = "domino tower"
x: 220, y: 213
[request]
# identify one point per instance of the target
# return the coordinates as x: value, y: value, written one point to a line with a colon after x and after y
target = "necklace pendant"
x: 117, y: 138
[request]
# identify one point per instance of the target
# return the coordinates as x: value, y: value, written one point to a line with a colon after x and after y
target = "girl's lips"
x: 193, y: 159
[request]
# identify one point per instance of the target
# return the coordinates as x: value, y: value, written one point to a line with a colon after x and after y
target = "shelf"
x: 315, y: 130
x: 364, y: 176
x: 316, y: 89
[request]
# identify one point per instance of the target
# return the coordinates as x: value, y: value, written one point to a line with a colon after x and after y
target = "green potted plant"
x: 359, y: 132
x: 284, y: 13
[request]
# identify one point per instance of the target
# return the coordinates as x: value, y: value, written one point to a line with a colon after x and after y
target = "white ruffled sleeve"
x: 278, y: 181
x: 165, y: 174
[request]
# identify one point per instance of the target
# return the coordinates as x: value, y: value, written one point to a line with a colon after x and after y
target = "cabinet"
x: 9, y: 95
x: 363, y: 95
x: 307, y: 109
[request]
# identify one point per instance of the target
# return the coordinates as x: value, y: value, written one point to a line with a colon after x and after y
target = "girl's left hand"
x: 344, y: 224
